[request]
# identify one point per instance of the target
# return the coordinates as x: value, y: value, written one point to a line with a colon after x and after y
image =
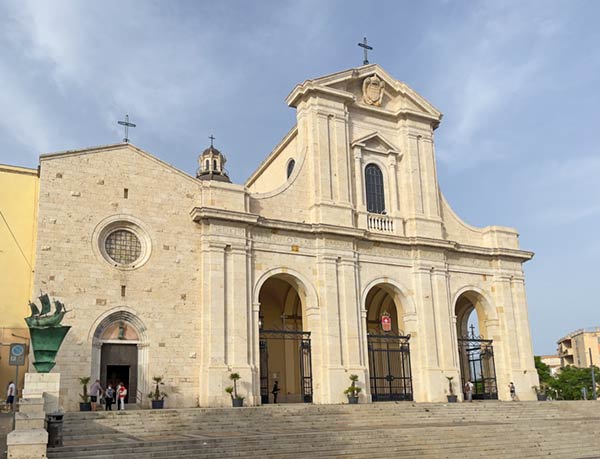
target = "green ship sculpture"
x: 47, y: 334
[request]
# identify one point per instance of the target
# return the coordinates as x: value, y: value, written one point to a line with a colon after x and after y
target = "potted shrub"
x: 452, y: 397
x: 85, y: 404
x: 541, y: 393
x: 236, y: 400
x: 353, y: 391
x: 157, y: 396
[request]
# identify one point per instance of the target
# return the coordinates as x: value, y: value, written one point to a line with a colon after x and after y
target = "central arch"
x: 284, y: 341
x: 390, y: 371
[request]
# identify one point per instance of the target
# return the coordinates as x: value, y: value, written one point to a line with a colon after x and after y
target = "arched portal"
x: 285, y: 346
x: 389, y: 350
x: 120, y: 353
x: 475, y: 346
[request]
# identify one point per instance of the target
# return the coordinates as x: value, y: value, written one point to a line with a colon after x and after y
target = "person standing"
x: 11, y: 392
x: 469, y: 390
x: 121, y: 393
x: 275, y: 391
x: 513, y: 392
x: 109, y: 397
x: 95, y: 392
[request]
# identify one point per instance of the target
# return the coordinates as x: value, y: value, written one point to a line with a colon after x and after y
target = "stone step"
x: 496, y: 429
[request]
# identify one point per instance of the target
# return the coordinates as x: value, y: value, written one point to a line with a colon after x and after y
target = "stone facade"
x: 209, y: 250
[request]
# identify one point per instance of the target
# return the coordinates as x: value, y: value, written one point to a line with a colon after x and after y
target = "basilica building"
x: 339, y: 256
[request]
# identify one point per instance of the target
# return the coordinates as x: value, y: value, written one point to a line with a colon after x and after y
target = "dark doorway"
x: 119, y: 363
x: 116, y: 374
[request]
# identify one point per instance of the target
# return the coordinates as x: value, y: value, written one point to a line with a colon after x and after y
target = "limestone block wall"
x: 79, y: 193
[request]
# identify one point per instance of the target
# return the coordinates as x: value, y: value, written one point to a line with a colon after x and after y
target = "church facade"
x: 338, y: 256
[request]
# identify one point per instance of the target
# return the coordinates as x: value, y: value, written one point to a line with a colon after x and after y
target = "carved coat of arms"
x: 373, y: 90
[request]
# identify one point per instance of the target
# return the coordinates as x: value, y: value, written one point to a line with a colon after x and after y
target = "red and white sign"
x: 386, y: 322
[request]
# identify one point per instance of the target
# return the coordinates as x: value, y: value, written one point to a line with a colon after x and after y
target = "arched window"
x: 207, y: 164
x: 215, y: 165
x: 290, y: 167
x: 374, y: 189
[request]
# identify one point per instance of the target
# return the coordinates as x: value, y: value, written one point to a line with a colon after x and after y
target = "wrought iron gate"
x: 477, y: 364
x: 389, y: 367
x: 301, y: 339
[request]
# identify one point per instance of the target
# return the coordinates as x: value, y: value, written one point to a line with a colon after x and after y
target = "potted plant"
x: 236, y: 400
x: 157, y: 396
x: 540, y: 392
x: 85, y: 404
x: 353, y: 391
x: 452, y: 397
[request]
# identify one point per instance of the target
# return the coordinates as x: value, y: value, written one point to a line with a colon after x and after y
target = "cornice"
x: 199, y: 214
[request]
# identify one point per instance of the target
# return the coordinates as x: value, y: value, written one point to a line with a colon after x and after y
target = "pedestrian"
x: 469, y: 390
x: 275, y: 391
x: 109, y: 397
x: 121, y: 393
x: 95, y: 393
x: 513, y: 392
x: 11, y: 392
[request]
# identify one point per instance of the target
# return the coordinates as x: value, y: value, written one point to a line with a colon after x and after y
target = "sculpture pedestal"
x: 46, y: 385
x: 40, y: 396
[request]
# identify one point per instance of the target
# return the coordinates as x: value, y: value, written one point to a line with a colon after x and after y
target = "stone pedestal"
x: 29, y: 440
x: 27, y: 444
x: 46, y: 385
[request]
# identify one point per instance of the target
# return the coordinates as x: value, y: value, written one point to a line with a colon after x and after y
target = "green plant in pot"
x: 85, y: 404
x: 353, y: 391
x: 236, y: 400
x: 452, y: 397
x: 157, y: 396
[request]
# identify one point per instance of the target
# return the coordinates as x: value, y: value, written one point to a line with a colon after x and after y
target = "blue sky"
x: 517, y: 82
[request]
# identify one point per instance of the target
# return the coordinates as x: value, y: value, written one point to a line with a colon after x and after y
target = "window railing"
x: 377, y: 222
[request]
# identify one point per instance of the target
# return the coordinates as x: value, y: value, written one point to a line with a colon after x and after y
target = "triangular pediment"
x: 375, y: 142
x: 369, y: 87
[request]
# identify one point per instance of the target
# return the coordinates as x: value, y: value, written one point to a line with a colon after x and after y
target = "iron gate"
x: 301, y: 339
x: 477, y: 364
x: 389, y: 367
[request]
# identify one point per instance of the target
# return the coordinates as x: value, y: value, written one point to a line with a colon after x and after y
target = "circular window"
x: 123, y: 247
x: 122, y: 243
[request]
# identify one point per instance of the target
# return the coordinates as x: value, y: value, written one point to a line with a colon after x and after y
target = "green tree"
x: 568, y: 383
x: 543, y: 371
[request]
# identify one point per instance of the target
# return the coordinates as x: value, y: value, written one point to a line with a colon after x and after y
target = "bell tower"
x: 212, y: 164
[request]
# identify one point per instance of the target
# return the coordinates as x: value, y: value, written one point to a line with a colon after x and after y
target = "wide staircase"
x: 569, y: 430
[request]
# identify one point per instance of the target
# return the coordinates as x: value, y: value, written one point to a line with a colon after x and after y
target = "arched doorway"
x: 389, y: 349
x: 285, y: 347
x: 475, y: 348
x: 120, y: 354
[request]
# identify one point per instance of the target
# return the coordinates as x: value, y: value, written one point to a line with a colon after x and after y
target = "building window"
x: 123, y: 247
x: 374, y: 189
x: 215, y: 165
x: 290, y: 167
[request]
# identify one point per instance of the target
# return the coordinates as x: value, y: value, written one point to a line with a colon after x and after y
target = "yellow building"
x: 574, y: 349
x: 18, y: 215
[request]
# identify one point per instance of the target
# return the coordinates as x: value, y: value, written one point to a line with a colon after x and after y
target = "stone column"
x: 332, y: 346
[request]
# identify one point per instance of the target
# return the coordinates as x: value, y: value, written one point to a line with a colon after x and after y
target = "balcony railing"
x: 376, y: 222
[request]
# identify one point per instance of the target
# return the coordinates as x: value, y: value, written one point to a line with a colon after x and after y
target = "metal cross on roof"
x: 212, y: 138
x: 366, y: 50
x: 127, y: 125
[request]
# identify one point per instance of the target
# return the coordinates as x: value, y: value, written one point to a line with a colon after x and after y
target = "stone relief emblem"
x: 373, y: 90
